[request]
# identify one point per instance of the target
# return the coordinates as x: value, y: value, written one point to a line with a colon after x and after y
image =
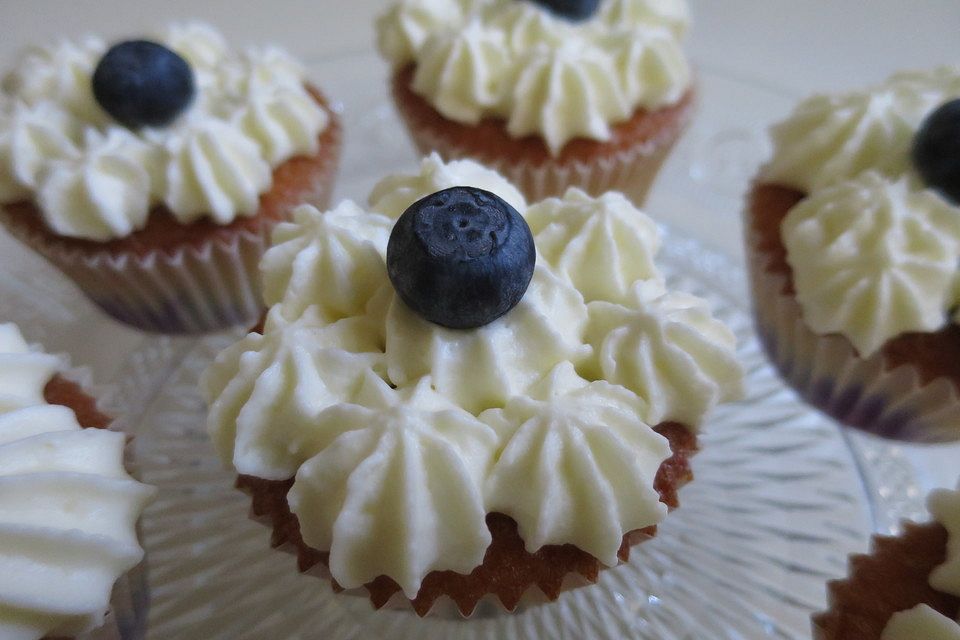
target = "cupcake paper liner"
x: 870, y: 394
x: 208, y: 286
x: 894, y: 577
x: 630, y: 169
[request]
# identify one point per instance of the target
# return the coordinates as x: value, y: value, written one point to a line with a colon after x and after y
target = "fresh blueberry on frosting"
x: 142, y: 83
x: 461, y: 257
x: 571, y: 9
x: 936, y: 150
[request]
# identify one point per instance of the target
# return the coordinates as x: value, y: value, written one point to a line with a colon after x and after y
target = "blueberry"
x: 571, y: 9
x: 142, y: 83
x: 461, y: 257
x: 936, y: 150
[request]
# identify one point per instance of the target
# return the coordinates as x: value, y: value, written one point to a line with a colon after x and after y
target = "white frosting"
x: 464, y: 74
x: 921, y: 623
x: 200, y: 44
x: 59, y: 148
x: 566, y: 92
x: 874, y: 252
x: 103, y: 192
x: 577, y: 465
x: 30, y: 138
x: 484, y: 367
x: 68, y: 508
x: 600, y: 245
x: 398, y: 491
x: 670, y: 14
x: 334, y: 261
x: 542, y: 74
x: 214, y: 170
x: 831, y: 139
x: 59, y: 74
x: 375, y: 410
x: 873, y: 258
x: 269, y: 390
x: 668, y: 349
x: 394, y: 194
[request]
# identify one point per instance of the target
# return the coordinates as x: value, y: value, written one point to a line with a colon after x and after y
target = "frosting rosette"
x: 666, y: 348
x: 463, y: 73
x: 873, y: 258
x: 271, y: 388
x: 333, y: 262
x: 600, y: 245
x: 406, y: 461
x: 251, y: 113
x: 594, y: 433
x: 537, y: 71
x: 401, y: 436
x: 68, y: 507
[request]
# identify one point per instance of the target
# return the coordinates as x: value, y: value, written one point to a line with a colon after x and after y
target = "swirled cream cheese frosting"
x: 539, y: 72
x: 68, y: 508
x: 93, y: 178
x: 923, y: 621
x: 401, y: 435
x: 873, y: 249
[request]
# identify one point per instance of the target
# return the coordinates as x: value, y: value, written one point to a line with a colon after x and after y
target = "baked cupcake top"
x: 403, y: 434
x: 874, y: 246
x: 97, y: 159
x: 923, y: 621
x: 557, y: 76
x: 68, y: 508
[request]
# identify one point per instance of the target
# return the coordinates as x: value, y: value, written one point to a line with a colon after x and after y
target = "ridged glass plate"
x: 778, y: 502
x: 780, y: 497
x: 776, y: 506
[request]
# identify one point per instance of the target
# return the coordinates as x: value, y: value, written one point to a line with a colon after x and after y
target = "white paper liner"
x: 865, y: 393
x: 193, y: 289
x: 630, y: 171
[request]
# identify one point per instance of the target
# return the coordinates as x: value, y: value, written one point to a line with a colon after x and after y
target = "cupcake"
x: 151, y: 172
x: 457, y: 399
x: 853, y: 240
x: 68, y: 508
x: 908, y: 588
x: 550, y: 93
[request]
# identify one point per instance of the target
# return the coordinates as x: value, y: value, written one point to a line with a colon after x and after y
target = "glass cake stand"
x: 781, y: 496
